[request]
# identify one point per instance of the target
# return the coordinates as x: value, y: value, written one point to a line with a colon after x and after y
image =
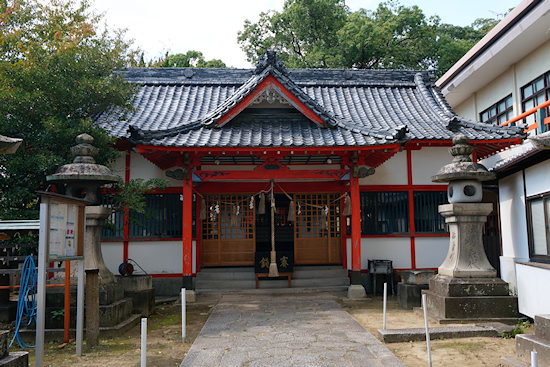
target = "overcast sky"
x: 211, y: 26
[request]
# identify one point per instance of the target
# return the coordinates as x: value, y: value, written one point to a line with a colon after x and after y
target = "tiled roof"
x: 180, y: 107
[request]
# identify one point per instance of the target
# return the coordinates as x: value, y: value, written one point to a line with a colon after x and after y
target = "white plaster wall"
x: 533, y: 65
x: 113, y: 255
x: 499, y: 88
x: 391, y: 172
x: 513, y: 226
x: 427, y: 161
x: 533, y: 290
x: 395, y: 249
x: 142, y: 168
x: 467, y: 109
x: 537, y: 178
x: 163, y: 257
x: 431, y: 251
x: 119, y: 165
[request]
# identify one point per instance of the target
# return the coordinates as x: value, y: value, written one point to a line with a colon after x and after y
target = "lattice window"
x: 219, y: 212
x: 309, y: 221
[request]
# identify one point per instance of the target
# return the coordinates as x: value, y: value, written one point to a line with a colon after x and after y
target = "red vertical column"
x: 355, y: 232
x: 126, y: 220
x: 187, y: 233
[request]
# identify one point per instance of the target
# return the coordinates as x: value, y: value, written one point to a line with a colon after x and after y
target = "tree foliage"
x: 326, y: 34
x: 57, y: 68
x: 189, y: 59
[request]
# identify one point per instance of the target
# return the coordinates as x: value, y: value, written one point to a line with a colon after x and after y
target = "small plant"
x: 519, y: 328
x: 58, y: 314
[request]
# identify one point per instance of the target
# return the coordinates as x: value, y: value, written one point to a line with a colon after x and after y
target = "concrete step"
x: 448, y: 332
x: 225, y: 284
x: 314, y: 272
x: 272, y: 291
x: 526, y: 343
x: 237, y: 275
x: 320, y: 282
x: 542, y: 327
x: 15, y: 359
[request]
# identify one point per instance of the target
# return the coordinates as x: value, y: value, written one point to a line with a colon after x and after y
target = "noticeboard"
x: 64, y: 223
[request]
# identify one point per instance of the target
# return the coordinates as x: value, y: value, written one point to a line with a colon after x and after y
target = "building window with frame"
x: 538, y: 211
x: 385, y: 212
x: 426, y: 211
x: 532, y: 95
x: 498, y: 113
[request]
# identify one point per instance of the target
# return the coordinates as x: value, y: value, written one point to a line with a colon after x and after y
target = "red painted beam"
x: 266, y: 174
x: 355, y: 225
x: 187, y: 226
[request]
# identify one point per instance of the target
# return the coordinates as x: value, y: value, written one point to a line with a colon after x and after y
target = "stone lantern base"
x: 452, y: 300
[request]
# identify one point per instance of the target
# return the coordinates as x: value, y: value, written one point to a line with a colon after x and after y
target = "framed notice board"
x: 64, y: 226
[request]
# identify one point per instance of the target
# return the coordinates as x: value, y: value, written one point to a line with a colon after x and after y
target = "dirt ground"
x: 471, y: 352
x: 165, y: 348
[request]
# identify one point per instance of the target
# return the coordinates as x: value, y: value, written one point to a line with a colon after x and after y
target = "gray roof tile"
x: 177, y: 107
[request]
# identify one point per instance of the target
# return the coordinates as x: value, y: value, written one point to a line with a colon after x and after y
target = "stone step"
x: 320, y: 282
x: 272, y: 291
x: 525, y: 343
x: 15, y: 359
x: 447, y: 332
x: 4, y: 336
x: 542, y: 327
x: 220, y: 276
x: 306, y: 273
x: 226, y: 284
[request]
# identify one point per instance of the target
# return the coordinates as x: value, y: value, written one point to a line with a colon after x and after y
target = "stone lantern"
x: 86, y: 175
x: 466, y: 287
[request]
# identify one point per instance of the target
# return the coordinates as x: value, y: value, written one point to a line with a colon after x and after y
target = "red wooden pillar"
x: 355, y: 232
x: 187, y: 233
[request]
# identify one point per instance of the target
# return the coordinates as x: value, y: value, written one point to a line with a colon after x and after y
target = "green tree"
x: 57, y: 69
x: 324, y: 33
x: 189, y: 59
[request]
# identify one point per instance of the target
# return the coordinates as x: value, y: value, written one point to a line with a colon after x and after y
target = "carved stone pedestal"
x: 452, y: 300
x: 466, y: 287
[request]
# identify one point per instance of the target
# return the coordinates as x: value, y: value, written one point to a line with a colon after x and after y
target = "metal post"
x: 425, y: 309
x: 67, y: 304
x: 92, y: 307
x: 80, y: 308
x: 183, y: 316
x: 143, y: 342
x: 385, y: 302
x: 41, y: 286
x: 534, y: 359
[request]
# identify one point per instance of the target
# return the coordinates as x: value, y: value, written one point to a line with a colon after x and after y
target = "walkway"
x: 285, y: 330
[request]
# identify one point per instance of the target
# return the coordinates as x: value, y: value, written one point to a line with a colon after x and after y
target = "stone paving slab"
x: 285, y: 330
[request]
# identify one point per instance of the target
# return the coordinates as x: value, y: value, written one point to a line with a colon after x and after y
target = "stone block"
x: 409, y: 295
x: 110, y: 293
x: 135, y: 283
x: 356, y: 292
x: 473, y: 307
x: 525, y: 343
x: 542, y: 327
x: 417, y: 277
x: 4, y: 336
x: 115, y: 313
x: 143, y: 301
x: 15, y: 359
x: 464, y: 287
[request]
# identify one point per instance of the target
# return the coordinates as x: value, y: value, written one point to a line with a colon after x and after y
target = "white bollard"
x: 385, y: 302
x: 143, y: 342
x: 534, y: 359
x: 425, y: 309
x: 183, y: 315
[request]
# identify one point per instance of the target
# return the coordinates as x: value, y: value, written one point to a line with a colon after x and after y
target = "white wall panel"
x: 113, y: 255
x: 499, y: 88
x: 533, y: 65
x: 391, y: 172
x: 467, y: 109
x: 431, y: 251
x: 142, y: 168
x: 426, y: 162
x: 390, y: 248
x: 533, y: 290
x: 163, y: 257
x: 537, y: 178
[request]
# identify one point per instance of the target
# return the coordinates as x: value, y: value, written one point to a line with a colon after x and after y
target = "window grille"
x: 384, y: 212
x: 426, y: 214
x: 498, y: 113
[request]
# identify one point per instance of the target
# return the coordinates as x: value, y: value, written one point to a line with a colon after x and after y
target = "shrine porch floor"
x: 285, y: 330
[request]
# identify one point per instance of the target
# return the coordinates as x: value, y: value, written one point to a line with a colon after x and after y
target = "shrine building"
x: 344, y: 156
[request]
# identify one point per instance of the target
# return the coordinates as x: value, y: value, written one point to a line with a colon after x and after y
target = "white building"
x: 503, y: 76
